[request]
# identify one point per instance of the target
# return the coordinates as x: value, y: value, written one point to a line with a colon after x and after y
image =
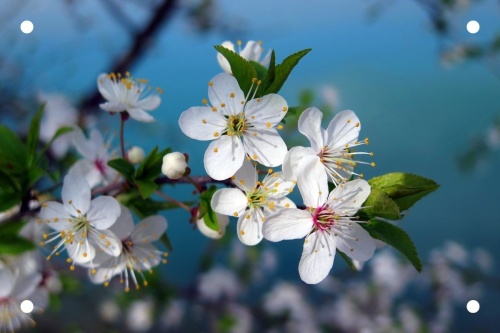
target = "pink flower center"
x: 323, y: 218
x: 100, y: 165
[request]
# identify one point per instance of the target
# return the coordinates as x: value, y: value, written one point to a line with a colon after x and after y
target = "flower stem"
x: 178, y: 203
x: 122, y: 135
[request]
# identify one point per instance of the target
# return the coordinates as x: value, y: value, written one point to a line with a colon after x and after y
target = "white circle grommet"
x: 473, y: 306
x: 27, y: 27
x: 26, y: 306
x: 473, y: 27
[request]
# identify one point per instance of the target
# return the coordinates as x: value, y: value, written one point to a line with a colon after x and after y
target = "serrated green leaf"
x: 404, y: 188
x: 379, y: 204
x: 242, y: 70
x: 15, y: 245
x: 205, y: 209
x: 123, y: 166
x: 259, y: 69
x: 283, y: 70
x: 269, y: 78
x: 146, y: 187
x: 395, y: 237
x: 13, y: 152
x: 347, y: 259
x: 33, y: 135
x: 150, y: 168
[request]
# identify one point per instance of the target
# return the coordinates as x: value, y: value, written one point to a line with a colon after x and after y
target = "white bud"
x: 174, y: 165
x: 135, y: 155
x: 223, y: 221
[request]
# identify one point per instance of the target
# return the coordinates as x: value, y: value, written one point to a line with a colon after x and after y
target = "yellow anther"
x: 145, y: 283
x: 348, y: 121
x: 216, y: 150
x: 242, y: 232
x: 287, y: 205
x: 164, y: 261
x: 214, y: 109
x: 102, y: 236
x: 357, y: 125
x: 210, y: 83
x: 108, y: 243
x: 204, y: 101
x: 216, y: 134
x: 204, y: 121
x: 106, y: 283
x: 254, y: 156
x: 271, y: 205
x: 93, y: 271
x: 285, y: 109
x: 45, y: 236
x: 72, y: 268
x: 373, y: 164
x: 270, y: 171
x: 231, y: 95
x: 44, y: 205
x: 85, y: 254
x: 242, y: 182
x: 371, y: 154
x: 223, y: 105
x: 280, y: 127
x: 235, y: 214
x: 268, y: 124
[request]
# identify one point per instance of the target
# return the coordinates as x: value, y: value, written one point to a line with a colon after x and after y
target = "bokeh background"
x: 428, y: 96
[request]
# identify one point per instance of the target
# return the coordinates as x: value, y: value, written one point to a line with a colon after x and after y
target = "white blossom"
x: 174, y: 165
x: 251, y: 52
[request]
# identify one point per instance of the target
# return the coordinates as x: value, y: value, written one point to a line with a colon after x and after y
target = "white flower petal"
x: 280, y: 187
x: 252, y: 51
x: 149, y: 254
x: 224, y: 157
x: 113, y: 107
x: 88, y: 170
x: 54, y: 211
x: 150, y: 229
x: 354, y: 241
x: 310, y: 126
x: 7, y: 281
x: 149, y: 103
x: 80, y: 253
x: 346, y: 199
x: 124, y: 225
x: 249, y: 227
x: 40, y: 298
x: 106, y: 241
x: 140, y: 115
x: 229, y: 201
x: 317, y: 257
x: 222, y: 220
x: 312, y: 181
x: 103, y: 212
x: 76, y: 195
x: 246, y: 176
x: 266, y: 147
x: 200, y: 123
x: 342, y: 129
x: 268, y: 109
x: 223, y: 87
x: 87, y: 148
x: 107, y: 269
x: 106, y: 87
x: 224, y: 64
x: 292, y: 159
x: 287, y: 224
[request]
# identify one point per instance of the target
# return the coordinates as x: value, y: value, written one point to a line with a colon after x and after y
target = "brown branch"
x: 142, y: 41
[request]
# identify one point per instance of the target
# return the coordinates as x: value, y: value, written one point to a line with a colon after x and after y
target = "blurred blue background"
x: 386, y: 59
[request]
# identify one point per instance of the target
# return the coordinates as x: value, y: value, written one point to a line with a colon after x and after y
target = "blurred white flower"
x: 172, y: 317
x: 242, y: 318
x: 330, y: 96
x: 58, y: 113
x: 222, y: 220
x: 217, y: 284
x: 94, y: 164
x: 109, y: 310
x: 483, y: 259
x: 456, y: 253
x: 251, y: 52
x: 174, y: 165
x: 135, y: 155
x: 126, y: 94
x: 139, y: 317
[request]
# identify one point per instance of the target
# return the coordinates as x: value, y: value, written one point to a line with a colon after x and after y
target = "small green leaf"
x: 146, y: 187
x: 150, y: 168
x: 379, y: 204
x: 33, y: 134
x: 205, y: 208
x: 9, y: 198
x: 15, y: 245
x: 166, y: 241
x: 395, y: 237
x: 10, y: 229
x: 284, y: 69
x: 243, y: 71
x: 404, y: 188
x: 123, y: 166
x: 269, y: 78
x: 34, y: 174
x: 13, y: 152
x: 259, y: 69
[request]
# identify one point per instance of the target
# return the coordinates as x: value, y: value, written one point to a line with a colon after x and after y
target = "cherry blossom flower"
x: 58, y: 113
x: 126, y: 94
x: 94, y: 164
x: 332, y: 147
x: 328, y: 223
x: 251, y: 52
x: 238, y: 126
x: 174, y: 165
x: 253, y: 201
x: 137, y: 252
x: 80, y: 223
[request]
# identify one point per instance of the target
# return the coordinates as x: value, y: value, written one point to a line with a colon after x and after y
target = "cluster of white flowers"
x: 244, y: 129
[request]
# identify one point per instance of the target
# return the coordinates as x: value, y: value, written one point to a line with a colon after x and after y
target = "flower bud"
x: 135, y: 155
x: 174, y: 165
x: 223, y: 221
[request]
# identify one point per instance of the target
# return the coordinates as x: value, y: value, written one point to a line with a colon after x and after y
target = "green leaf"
x: 15, y: 245
x: 379, y: 204
x: 123, y: 166
x: 61, y: 131
x: 205, y: 208
x: 283, y: 70
x: 150, y: 168
x: 259, y: 69
x: 395, y: 237
x: 243, y: 71
x: 348, y: 260
x: 34, y: 174
x: 9, y: 197
x: 33, y: 134
x: 166, y: 241
x: 146, y: 187
x: 13, y: 152
x: 269, y: 78
x: 10, y: 229
x: 404, y: 188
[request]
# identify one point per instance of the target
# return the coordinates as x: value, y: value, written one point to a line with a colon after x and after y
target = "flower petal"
x: 224, y: 157
x: 312, y: 181
x: 103, y: 212
x: 246, y: 176
x: 292, y: 159
x: 310, y: 126
x: 252, y: 51
x: 140, y: 115
x: 88, y: 170
x: 280, y: 187
x: 342, y: 129
x: 225, y: 90
x: 224, y: 64
x: 266, y: 111
x: 80, y: 253
x: 229, y: 201
x: 113, y: 107
x: 249, y: 227
x: 7, y: 279
x: 149, y: 103
x: 106, y: 241
x: 108, y: 268
x: 354, y: 241
x: 150, y: 229
x: 201, y: 123
x: 76, y: 195
x: 317, y: 257
x: 106, y: 87
x: 265, y: 146
x: 124, y: 225
x: 223, y: 221
x: 346, y: 199
x: 288, y: 224
x: 54, y: 211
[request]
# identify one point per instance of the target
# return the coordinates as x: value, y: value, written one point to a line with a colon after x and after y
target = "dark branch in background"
x: 120, y: 16
x: 141, y: 42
